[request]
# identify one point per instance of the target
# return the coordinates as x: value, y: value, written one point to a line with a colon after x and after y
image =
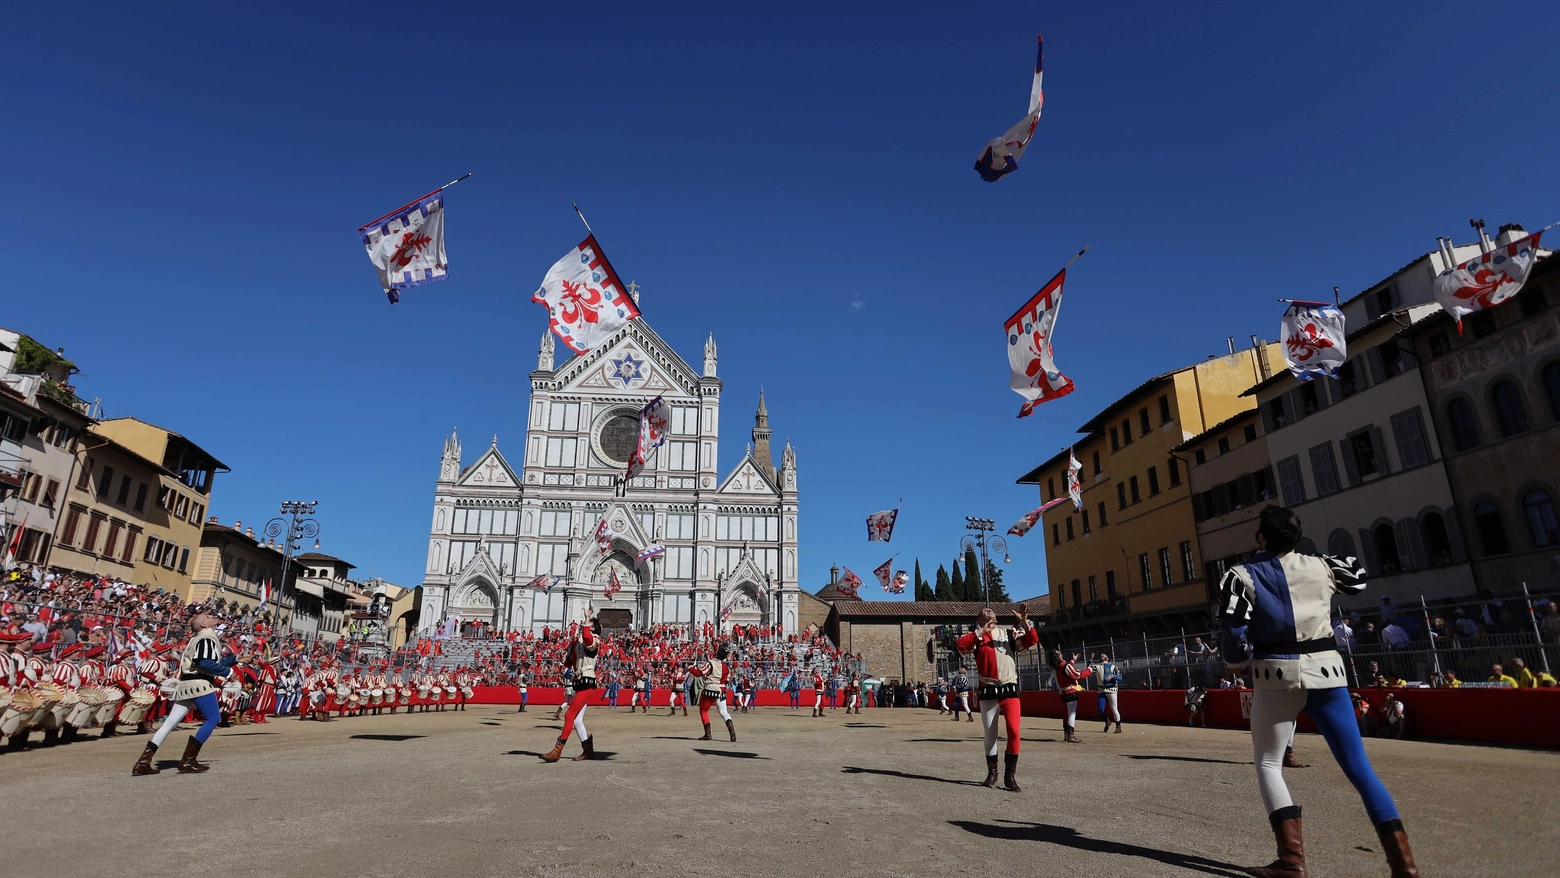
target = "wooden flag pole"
x: 1075, y: 258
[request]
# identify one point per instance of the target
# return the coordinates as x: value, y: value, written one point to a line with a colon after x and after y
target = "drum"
x: 376, y: 697
x: 138, y: 704
x: 317, y: 699
x: 231, y: 691
x: 60, y: 708
x: 168, y: 687
x: 343, y: 693
x: 84, y: 713
x: 353, y: 700
x: 422, y: 692
x: 466, y: 692
x: 5, y: 698
x: 18, y: 714
x: 406, y: 695
x: 109, y: 706
x: 450, y: 691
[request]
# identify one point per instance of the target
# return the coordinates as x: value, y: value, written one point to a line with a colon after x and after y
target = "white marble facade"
x: 731, y: 542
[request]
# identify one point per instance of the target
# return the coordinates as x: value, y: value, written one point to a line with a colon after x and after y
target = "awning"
x: 309, y: 588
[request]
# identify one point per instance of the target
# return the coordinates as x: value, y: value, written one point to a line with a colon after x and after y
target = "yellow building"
x: 136, y: 508
x: 1128, y: 562
x: 235, y: 566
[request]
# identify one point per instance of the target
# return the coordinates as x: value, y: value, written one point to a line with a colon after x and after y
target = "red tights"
x: 1009, y: 709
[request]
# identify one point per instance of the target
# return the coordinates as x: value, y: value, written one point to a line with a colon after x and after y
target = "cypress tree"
x: 956, y: 582
x: 923, y: 592
x: 972, y: 586
x: 944, y: 590
x: 999, y: 594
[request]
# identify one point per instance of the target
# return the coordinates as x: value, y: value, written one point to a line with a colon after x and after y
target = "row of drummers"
x: 372, y: 691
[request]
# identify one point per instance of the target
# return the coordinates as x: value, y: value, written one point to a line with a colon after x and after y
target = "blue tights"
x: 1273, y: 714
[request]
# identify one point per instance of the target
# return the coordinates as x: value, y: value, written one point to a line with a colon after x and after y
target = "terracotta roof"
x: 1059, y: 458
x: 1098, y: 421
x: 951, y: 611
x: 1221, y: 426
x: 320, y: 556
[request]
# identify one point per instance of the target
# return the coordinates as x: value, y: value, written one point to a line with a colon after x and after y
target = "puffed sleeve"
x: 1235, y: 595
x: 1348, y: 574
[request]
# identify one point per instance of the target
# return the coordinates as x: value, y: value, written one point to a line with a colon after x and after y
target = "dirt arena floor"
x: 891, y: 792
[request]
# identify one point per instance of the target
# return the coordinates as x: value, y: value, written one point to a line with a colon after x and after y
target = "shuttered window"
x: 1289, y: 481
x: 1408, y: 428
x: 1323, y: 469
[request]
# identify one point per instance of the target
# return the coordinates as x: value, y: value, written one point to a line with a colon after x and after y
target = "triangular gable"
x: 634, y: 359
x: 490, y: 471
x: 480, y: 566
x: 748, y: 478
x: 625, y: 527
x: 745, y: 571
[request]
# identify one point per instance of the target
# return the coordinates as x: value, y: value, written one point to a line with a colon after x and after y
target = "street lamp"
x: 297, y: 526
x: 982, y: 535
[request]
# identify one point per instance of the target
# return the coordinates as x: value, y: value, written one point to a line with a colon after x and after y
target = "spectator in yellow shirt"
x: 1451, y: 679
x: 1525, y: 678
x: 1499, y: 675
x: 1546, y: 680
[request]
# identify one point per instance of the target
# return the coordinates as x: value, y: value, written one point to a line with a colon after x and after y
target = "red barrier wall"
x: 552, y: 695
x: 1498, y: 716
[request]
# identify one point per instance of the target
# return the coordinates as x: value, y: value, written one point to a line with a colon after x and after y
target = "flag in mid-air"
x: 1023, y: 525
x: 885, y: 574
x: 880, y: 525
x: 652, y: 433
x: 265, y: 595
x: 545, y: 583
x: 1314, y: 339
x: 584, y: 298
x: 1074, y: 487
x: 1488, y: 279
x: 725, y: 614
x: 614, y: 585
x: 849, y: 584
x: 1002, y: 154
x: 407, y: 245
x: 1029, y: 334
x: 650, y: 551
x: 900, y: 578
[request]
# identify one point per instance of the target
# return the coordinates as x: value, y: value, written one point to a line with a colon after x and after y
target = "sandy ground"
x: 891, y: 792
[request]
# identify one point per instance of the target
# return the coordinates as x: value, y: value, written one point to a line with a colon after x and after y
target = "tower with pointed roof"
x: 731, y: 540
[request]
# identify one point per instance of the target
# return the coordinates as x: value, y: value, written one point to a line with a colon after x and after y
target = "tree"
x: 944, y: 590
x: 972, y: 577
x: 999, y: 594
x: 923, y: 592
x: 957, y: 583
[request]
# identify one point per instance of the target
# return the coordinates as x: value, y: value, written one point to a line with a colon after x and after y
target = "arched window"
x: 1540, y: 509
x: 1437, y: 544
x: 1509, y: 410
x: 1552, y: 386
x: 1492, y: 531
x: 1387, y: 557
x: 1306, y: 547
x: 1340, y: 544
x: 1465, y: 429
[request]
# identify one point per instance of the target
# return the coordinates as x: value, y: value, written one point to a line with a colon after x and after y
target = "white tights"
x: 721, y: 706
x: 1273, y: 713
x: 176, y: 715
x: 852, y: 704
x: 990, y: 718
x: 1072, y: 714
x: 1110, y: 702
x: 964, y: 701
x: 818, y: 701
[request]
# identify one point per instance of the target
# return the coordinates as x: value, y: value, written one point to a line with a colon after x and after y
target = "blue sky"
x: 185, y: 189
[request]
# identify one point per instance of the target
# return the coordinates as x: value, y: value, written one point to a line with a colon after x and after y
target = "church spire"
x: 761, y: 435
x: 449, y: 466
x: 709, y: 356
x: 544, y: 355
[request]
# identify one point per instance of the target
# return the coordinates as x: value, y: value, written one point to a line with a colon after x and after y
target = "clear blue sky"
x: 184, y: 191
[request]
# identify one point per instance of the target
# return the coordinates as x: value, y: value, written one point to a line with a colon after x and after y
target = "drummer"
x: 199, y: 668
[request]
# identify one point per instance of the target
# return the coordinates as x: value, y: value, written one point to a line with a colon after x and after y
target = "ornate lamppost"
x: 982, y: 534
x: 298, y: 526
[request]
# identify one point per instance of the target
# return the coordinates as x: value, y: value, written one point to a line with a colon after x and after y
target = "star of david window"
x: 619, y: 436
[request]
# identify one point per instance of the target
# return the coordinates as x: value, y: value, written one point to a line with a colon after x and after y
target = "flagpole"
x: 582, y: 218
x: 1075, y: 258
x: 413, y: 201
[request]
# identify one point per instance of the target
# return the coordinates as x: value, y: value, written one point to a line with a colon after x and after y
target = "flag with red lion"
x: 1488, y: 279
x: 585, y: 301
x: 1029, y: 334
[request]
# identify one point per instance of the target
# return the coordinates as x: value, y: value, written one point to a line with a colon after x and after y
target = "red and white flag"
x: 1315, y: 340
x: 1023, y: 525
x: 1001, y: 156
x: 584, y: 298
x: 849, y: 584
x: 15, y: 544
x: 265, y: 595
x: 901, y: 577
x: 885, y: 574
x: 1488, y: 279
x: 653, y: 428
x: 406, y: 245
x: 1074, y: 487
x: 1029, y: 333
x: 604, y: 536
x: 613, y: 585
x: 880, y: 525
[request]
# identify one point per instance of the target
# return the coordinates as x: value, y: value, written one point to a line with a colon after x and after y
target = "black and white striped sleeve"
x: 205, y: 649
x: 1235, y: 597
x: 1348, y: 574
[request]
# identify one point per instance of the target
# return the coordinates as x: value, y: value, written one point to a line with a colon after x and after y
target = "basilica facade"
x: 731, y: 543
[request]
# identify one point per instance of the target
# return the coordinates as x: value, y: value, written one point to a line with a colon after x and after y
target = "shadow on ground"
x: 883, y: 772
x: 732, y: 754
x: 386, y: 737
x: 1013, y: 830
x: 1185, y: 759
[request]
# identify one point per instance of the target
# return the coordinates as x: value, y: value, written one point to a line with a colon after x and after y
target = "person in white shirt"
x: 1394, y: 636
x: 1343, y: 633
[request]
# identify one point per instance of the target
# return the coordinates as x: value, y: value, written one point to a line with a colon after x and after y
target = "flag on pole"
x: 613, y: 585
x: 849, y: 584
x: 880, y: 525
x: 545, y: 583
x: 265, y: 595
x: 1023, y: 525
x: 885, y: 573
x: 900, y: 578
x: 604, y: 536
x: 725, y: 614
x: 16, y: 543
x: 1314, y: 339
x: 653, y: 428
x: 584, y: 299
x: 1488, y: 279
x: 1001, y: 156
x: 1029, y: 333
x: 650, y: 551
x: 1074, y: 488
x: 407, y: 245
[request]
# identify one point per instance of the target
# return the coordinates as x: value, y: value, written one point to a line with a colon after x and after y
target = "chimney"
x: 1510, y: 232
x: 1231, y: 342
x: 1484, y: 240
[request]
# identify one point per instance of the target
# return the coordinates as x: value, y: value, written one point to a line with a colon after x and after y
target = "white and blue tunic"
x: 1276, y: 611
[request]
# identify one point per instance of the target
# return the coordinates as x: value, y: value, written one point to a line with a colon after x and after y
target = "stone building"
x: 892, y: 636
x: 731, y: 542
x: 1231, y: 479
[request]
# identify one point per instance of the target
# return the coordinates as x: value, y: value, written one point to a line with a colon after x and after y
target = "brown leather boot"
x: 590, y: 750
x: 1071, y: 735
x: 1291, y: 846
x: 991, y: 773
x: 188, y: 764
x: 706, y: 732
x: 1010, y: 775
x: 556, y: 752
x: 1290, y: 761
x: 110, y: 729
x: 731, y: 729
x: 1399, y: 856
x: 1118, y: 728
x: 144, y: 764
